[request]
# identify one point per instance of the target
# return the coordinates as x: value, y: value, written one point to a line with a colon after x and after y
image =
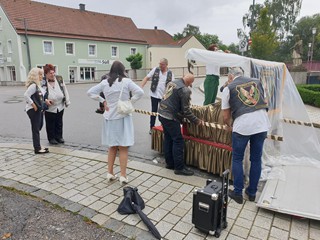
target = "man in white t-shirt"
x: 243, y: 102
x: 160, y: 77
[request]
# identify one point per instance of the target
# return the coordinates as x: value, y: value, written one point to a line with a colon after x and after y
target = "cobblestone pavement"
x: 76, y: 180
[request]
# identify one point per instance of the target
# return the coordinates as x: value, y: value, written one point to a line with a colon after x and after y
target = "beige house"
x: 162, y: 45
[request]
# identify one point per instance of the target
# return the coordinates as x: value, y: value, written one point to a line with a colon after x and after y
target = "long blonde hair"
x: 33, y: 76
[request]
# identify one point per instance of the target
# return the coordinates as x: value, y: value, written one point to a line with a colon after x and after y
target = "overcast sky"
x: 219, y: 17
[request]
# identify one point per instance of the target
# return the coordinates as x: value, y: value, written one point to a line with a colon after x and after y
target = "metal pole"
x: 252, y: 15
x: 27, y: 42
x: 314, y: 30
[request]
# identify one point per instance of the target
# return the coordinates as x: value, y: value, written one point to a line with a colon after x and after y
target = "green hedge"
x: 310, y: 94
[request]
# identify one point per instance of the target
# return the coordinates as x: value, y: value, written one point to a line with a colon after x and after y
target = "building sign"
x: 95, y: 61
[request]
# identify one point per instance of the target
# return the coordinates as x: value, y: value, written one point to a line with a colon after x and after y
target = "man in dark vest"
x: 175, y: 106
x: 160, y: 77
x: 245, y: 113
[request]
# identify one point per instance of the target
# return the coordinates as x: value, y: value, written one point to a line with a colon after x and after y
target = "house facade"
x: 162, y: 45
x: 81, y: 45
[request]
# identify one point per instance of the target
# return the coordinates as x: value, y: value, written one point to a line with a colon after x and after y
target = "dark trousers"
x: 154, y: 108
x: 54, y: 125
x: 36, y: 119
x: 173, y: 143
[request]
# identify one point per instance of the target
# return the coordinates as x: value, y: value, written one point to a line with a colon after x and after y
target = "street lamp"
x: 314, y: 31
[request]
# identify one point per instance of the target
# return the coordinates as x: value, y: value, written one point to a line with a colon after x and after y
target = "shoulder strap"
x: 121, y: 88
x: 60, y: 82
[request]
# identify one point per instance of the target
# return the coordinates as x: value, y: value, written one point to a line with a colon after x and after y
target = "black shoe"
x: 41, y: 151
x: 184, y: 171
x: 169, y: 167
x: 252, y: 198
x: 235, y: 197
x: 53, y: 142
x: 60, y: 140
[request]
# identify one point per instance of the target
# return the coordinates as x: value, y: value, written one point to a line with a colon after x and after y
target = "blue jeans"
x: 154, y: 108
x: 239, y: 143
x: 173, y: 143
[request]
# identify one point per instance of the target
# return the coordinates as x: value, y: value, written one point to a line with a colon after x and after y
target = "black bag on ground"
x: 131, y: 196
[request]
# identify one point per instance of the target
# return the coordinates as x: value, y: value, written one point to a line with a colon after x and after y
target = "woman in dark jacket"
x: 34, y: 107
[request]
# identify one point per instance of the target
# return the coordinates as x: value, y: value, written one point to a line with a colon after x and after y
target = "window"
x: 9, y: 46
x: 114, y: 51
x: 48, y: 47
x: 133, y: 51
x: 92, y: 49
x: 12, y: 73
x: 1, y: 51
x: 87, y: 73
x: 70, y: 48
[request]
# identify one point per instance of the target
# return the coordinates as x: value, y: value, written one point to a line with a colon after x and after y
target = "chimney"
x: 82, y: 7
x: 155, y: 27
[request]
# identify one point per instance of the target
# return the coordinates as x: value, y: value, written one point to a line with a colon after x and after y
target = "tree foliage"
x: 303, y: 29
x: 135, y: 61
x: 283, y: 14
x: 187, y: 31
x: 205, y: 39
x: 264, y: 39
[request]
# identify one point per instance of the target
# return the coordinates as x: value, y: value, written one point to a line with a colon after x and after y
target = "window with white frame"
x: 92, y: 50
x: 114, y: 51
x: 1, y: 51
x: 69, y: 48
x: 133, y: 51
x: 9, y: 46
x: 48, y: 47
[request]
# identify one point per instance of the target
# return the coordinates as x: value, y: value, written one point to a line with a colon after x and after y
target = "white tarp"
x: 300, y: 145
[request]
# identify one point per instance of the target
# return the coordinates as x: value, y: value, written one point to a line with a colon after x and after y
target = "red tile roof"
x: 157, y: 37
x: 50, y: 20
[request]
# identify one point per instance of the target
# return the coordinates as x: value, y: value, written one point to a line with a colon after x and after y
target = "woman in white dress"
x: 117, y: 131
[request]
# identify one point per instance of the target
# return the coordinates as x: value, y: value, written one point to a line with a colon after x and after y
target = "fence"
x: 309, y: 66
x: 139, y: 74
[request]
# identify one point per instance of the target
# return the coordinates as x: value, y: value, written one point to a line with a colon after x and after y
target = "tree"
x: 234, y: 48
x: 264, y: 40
x: 135, y: 63
x: 207, y: 39
x: 187, y: 31
x: 283, y: 14
x: 303, y: 28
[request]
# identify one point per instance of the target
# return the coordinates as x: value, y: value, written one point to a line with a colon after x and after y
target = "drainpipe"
x: 27, y: 42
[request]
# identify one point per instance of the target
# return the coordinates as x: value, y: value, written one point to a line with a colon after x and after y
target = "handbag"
x: 124, y: 107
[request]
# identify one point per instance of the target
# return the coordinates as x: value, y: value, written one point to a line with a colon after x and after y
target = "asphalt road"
x: 81, y: 124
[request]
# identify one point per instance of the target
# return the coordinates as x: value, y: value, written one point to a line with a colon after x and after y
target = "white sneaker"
x: 111, y: 177
x: 123, y: 180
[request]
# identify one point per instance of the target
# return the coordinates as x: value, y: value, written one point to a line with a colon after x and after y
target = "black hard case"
x: 209, y: 212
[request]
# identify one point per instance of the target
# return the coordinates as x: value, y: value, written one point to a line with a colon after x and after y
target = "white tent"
x: 291, y: 166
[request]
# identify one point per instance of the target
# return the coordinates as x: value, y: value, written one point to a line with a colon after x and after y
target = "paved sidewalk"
x: 76, y: 180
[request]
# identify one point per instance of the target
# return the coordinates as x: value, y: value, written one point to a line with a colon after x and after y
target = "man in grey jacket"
x: 175, y: 106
